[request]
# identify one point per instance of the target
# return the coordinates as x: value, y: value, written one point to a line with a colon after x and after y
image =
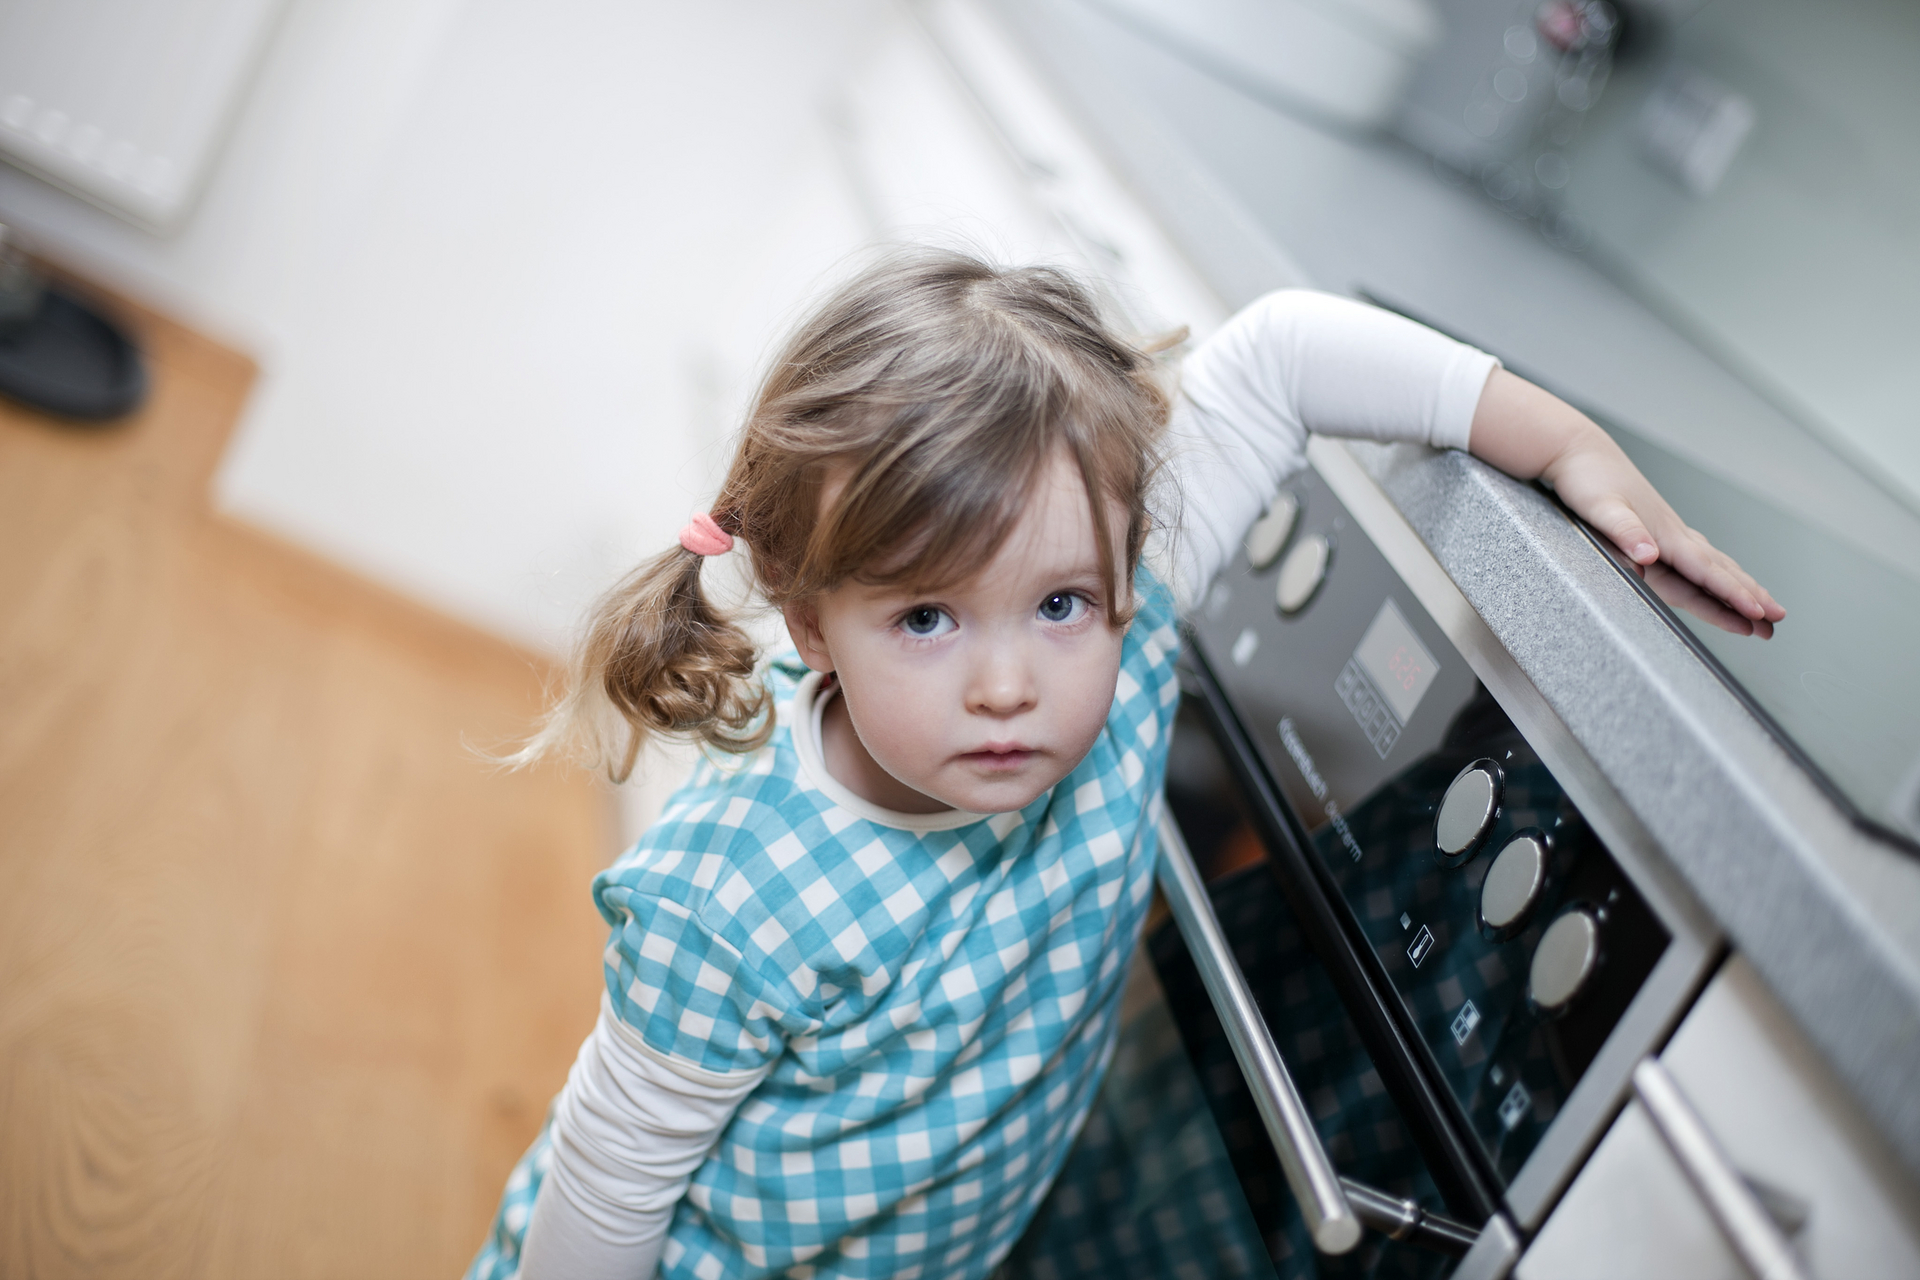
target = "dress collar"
x: 809, y: 705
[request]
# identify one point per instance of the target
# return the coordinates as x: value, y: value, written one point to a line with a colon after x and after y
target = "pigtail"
x: 667, y: 662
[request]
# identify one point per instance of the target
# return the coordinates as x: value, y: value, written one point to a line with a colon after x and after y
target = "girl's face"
x: 982, y: 695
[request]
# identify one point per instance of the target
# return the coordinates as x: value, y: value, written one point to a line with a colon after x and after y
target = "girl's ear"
x: 803, y: 625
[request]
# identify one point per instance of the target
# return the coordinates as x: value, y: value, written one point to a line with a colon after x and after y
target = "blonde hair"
x: 938, y: 386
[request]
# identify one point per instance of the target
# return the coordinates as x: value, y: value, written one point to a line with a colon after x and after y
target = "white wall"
x: 500, y: 264
x: 511, y: 270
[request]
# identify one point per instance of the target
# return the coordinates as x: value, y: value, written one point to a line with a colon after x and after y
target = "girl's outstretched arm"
x: 1529, y: 433
x: 1297, y: 361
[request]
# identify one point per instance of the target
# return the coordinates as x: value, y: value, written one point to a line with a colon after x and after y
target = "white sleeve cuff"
x: 629, y: 1131
x: 1459, y: 395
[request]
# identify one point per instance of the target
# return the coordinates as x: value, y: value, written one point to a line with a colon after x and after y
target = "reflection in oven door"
x: 1359, y: 1122
x: 1149, y: 1191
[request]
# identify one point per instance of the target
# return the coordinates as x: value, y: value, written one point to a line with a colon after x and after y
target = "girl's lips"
x: 997, y: 756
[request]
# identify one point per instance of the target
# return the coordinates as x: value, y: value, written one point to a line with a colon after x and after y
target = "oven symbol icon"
x: 1464, y: 1022
x: 1422, y: 944
x: 1514, y: 1107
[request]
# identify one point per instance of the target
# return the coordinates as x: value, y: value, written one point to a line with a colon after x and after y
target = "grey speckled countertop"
x: 1829, y: 916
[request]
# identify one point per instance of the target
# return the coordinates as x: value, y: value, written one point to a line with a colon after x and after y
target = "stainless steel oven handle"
x: 1760, y: 1245
x: 1399, y: 1219
x: 1323, y: 1200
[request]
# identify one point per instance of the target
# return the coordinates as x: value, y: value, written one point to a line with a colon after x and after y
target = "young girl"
x: 863, y: 973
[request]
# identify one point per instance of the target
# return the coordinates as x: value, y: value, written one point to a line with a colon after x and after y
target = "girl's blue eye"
x: 1062, y: 606
x: 925, y: 621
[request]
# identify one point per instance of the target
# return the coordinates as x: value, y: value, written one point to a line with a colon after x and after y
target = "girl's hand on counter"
x: 1530, y: 433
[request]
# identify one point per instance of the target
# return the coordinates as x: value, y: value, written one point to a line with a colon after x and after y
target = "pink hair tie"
x: 705, y: 538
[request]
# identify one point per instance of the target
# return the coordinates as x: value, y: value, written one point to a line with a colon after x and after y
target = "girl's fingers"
x: 1721, y: 568
x: 1619, y: 521
x: 1664, y: 536
x: 1604, y: 488
x: 1680, y: 592
x: 1697, y: 560
x: 1715, y: 571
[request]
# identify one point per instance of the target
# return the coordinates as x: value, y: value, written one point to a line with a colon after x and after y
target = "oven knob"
x: 1514, y: 882
x: 1467, y: 810
x: 1271, y: 531
x: 1564, y: 961
x: 1302, y: 572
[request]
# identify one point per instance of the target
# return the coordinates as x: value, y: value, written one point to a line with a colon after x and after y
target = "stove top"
x: 1837, y: 683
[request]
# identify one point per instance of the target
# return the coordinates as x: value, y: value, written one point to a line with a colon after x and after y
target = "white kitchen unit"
x: 1783, y: 1122
x: 127, y: 103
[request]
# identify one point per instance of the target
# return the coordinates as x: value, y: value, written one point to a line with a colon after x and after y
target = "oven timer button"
x: 1565, y: 960
x: 1302, y: 572
x: 1514, y: 884
x: 1467, y: 810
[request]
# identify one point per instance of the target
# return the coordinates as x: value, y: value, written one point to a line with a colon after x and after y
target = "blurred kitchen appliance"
x: 1503, y: 102
x: 1345, y: 62
x: 1747, y: 175
x: 1511, y: 77
x: 126, y: 102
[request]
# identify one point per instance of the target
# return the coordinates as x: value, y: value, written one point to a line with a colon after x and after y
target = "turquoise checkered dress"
x: 938, y: 1005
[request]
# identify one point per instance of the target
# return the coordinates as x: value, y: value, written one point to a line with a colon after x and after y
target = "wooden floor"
x: 287, y: 974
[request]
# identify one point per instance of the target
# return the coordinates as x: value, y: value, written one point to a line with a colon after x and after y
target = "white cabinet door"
x: 1780, y: 1115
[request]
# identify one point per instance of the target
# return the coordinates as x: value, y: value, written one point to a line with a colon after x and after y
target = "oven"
x: 1458, y: 810
x: 1416, y: 945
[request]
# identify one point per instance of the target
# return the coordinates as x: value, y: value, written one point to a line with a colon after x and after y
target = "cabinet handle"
x: 1323, y: 1201
x: 1758, y: 1243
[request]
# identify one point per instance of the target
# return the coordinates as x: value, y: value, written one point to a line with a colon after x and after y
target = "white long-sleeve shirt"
x: 632, y: 1125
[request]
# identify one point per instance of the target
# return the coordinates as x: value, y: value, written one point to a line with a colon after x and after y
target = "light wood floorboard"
x: 287, y: 974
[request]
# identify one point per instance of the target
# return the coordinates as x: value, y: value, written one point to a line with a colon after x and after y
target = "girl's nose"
x: 1002, y: 683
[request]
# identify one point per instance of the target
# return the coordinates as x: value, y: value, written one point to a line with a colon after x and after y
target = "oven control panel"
x: 1507, y: 931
